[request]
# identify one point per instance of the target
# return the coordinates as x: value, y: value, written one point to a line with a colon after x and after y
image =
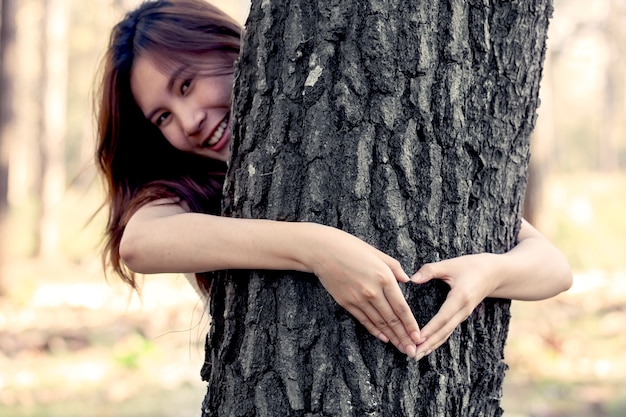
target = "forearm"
x: 192, y: 242
x: 533, y: 270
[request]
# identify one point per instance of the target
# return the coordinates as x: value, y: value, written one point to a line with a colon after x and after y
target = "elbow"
x: 566, y: 278
x: 568, y: 281
x: 131, y: 254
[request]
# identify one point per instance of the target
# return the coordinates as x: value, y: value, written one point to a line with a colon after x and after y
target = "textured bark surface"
x: 406, y: 123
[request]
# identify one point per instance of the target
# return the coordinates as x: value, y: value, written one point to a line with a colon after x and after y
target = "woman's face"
x: 192, y: 112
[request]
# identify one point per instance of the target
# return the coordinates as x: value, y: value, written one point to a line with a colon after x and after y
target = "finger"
x: 392, y: 324
x: 438, y: 330
x: 381, y: 323
x: 425, y: 350
x: 396, y: 269
x: 369, y: 325
x: 395, y: 299
x: 434, y: 341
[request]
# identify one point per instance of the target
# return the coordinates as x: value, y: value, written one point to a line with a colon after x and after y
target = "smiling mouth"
x: 218, y: 133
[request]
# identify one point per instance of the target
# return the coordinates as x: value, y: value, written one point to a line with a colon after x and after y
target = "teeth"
x: 218, y: 132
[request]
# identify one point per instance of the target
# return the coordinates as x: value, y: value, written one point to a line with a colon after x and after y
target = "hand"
x: 363, y: 280
x: 470, y: 282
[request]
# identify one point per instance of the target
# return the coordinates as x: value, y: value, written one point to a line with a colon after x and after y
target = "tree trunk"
x: 7, y: 47
x: 406, y: 123
x: 608, y: 137
x: 53, y: 124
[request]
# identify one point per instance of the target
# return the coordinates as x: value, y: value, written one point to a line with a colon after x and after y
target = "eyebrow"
x: 175, y: 75
x: 170, y: 84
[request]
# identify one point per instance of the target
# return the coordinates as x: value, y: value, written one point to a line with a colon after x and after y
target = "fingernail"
x: 410, y: 350
x: 419, y: 356
x: 401, y: 349
x: 416, y: 276
x: 415, y: 336
x: 383, y: 338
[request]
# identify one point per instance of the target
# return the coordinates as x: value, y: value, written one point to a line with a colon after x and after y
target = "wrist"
x: 306, y: 243
x: 497, y: 272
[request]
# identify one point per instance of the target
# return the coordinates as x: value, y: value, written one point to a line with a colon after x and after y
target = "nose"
x: 192, y: 120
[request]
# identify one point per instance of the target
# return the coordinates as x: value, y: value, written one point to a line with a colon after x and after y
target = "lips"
x: 216, y: 140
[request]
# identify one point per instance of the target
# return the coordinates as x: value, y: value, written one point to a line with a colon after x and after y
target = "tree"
x: 54, y: 106
x: 613, y: 100
x: 7, y: 41
x: 406, y: 123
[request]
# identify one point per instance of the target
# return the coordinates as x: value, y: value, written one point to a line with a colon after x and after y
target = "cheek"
x: 175, y: 138
x: 222, y: 88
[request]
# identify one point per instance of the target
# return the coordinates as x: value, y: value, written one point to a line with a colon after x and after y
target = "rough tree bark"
x: 406, y: 123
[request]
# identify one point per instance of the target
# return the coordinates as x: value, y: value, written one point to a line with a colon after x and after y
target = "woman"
x: 165, y: 101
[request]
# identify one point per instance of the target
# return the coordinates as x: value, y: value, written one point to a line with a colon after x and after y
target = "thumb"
x: 425, y: 273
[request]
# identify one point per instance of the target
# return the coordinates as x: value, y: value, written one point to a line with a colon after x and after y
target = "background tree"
x: 406, y: 123
x: 582, y: 122
x: 542, y: 150
x: 614, y: 87
x: 7, y: 48
x: 53, y: 126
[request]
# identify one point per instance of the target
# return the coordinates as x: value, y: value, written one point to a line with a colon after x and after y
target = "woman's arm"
x: 533, y: 270
x: 164, y: 237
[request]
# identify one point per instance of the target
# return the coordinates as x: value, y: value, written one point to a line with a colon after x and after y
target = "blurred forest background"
x: 74, y: 344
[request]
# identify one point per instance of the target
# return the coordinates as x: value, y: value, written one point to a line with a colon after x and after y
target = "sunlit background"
x: 73, y: 344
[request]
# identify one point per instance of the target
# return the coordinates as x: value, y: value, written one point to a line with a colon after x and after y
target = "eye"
x: 185, y: 86
x: 162, y: 118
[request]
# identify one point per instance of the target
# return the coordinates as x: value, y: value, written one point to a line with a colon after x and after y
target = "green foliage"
x: 129, y: 351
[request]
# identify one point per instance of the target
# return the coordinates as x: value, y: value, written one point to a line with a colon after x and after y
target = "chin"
x: 223, y: 158
x: 218, y: 156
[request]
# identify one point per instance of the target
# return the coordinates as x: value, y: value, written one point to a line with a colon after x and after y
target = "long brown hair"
x: 137, y: 163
